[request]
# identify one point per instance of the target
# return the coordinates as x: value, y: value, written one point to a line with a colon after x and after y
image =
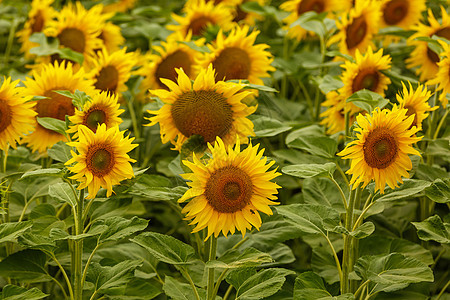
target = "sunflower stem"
x: 212, y: 256
x: 347, y: 243
x: 438, y: 128
x: 78, y: 250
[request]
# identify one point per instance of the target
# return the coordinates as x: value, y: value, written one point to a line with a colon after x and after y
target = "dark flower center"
x: 107, y: 79
x: 93, y: 117
x: 380, y: 148
x: 395, y: 11
x: 366, y: 79
x: 232, y: 63
x: 166, y: 69
x: 356, y: 32
x: 56, y: 106
x: 199, y: 25
x: 5, y: 115
x: 72, y: 38
x: 100, y: 159
x: 310, y: 5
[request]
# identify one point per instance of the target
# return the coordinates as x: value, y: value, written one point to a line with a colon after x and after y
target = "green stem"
x: 361, y: 217
x: 66, y: 278
x: 12, y: 32
x: 342, y: 174
x: 347, y: 244
x: 240, y: 242
x: 228, y: 292
x: 443, y: 290
x: 344, y: 200
x: 347, y: 126
x: 191, y: 282
x: 212, y: 256
x: 78, y: 249
x: 219, y: 281
x: 438, y: 128
x: 60, y: 286
x: 308, y: 98
x: 336, y: 258
x: 361, y: 288
x: 83, y: 278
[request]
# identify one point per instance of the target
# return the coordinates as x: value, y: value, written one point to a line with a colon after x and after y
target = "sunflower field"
x: 224, y: 149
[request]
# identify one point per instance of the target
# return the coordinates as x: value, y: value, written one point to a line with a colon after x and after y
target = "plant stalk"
x: 78, y: 250
x: 212, y: 256
x: 347, y: 244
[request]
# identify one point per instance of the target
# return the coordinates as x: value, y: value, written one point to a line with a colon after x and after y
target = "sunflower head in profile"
x: 298, y: 7
x: 365, y: 73
x: 40, y: 14
x: 17, y: 116
x: 201, y: 15
x: 204, y: 108
x: 423, y: 57
x: 102, y: 160
x: 416, y: 103
x: 334, y: 115
x: 238, y: 57
x: 230, y: 190
x: 357, y: 27
x: 53, y: 77
x: 380, y: 152
x: 111, y: 71
x: 442, y: 78
x: 78, y: 29
x: 102, y: 109
x: 119, y: 6
x: 111, y: 37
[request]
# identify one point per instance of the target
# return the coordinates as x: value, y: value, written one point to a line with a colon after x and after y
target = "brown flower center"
x: 232, y: 63
x: 199, y: 25
x: 380, y: 148
x: 239, y: 14
x: 107, y: 79
x: 445, y: 33
x: 310, y: 5
x: 205, y: 113
x: 37, y: 23
x: 100, y: 159
x: 5, y: 115
x: 93, y: 117
x: 356, y: 32
x: 229, y: 189
x: 56, y: 106
x: 366, y: 79
x: 395, y: 11
x: 166, y: 69
x: 72, y: 38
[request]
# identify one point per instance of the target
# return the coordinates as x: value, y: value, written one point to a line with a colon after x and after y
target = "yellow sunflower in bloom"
x: 40, y: 14
x: 422, y: 56
x: 111, y: 71
x: 230, y: 190
x: 442, y: 78
x: 198, y: 17
x: 401, y: 13
x: 17, y: 116
x: 119, y: 6
x: 298, y: 7
x: 238, y: 57
x: 334, y: 115
x: 416, y: 103
x: 102, y: 160
x: 102, y: 109
x: 380, y: 152
x: 50, y: 79
x: 357, y: 27
x: 77, y: 28
x: 204, y: 108
x: 111, y: 37
x: 365, y: 73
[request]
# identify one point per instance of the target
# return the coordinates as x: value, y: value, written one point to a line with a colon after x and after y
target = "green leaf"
x: 393, y: 271
x: 67, y: 53
x: 165, y: 248
x: 233, y: 259
x: 318, y: 145
x: 262, y: 88
x: 119, y: 228
x: 10, y: 231
x: 112, y: 280
x: 310, y: 286
x: 267, y: 127
x: 363, y: 231
x: 44, y: 47
x: 322, y: 191
x: 60, y: 152
x: 59, y: 234
x: 439, y: 191
x: 367, y: 100
x: 263, y: 284
x: 43, y: 172
x: 38, y: 242
x: 311, y: 21
x: 26, y: 265
x: 63, y: 192
x: 79, y: 98
x: 410, y: 187
x: 156, y: 188
x: 194, y: 46
x: 252, y: 7
x: 181, y: 291
x: 14, y: 292
x: 433, y: 229
x: 330, y: 83
x: 52, y: 124
x: 310, y: 170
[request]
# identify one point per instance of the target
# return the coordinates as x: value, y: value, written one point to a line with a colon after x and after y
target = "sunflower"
x: 298, y: 7
x: 200, y: 16
x: 357, y: 27
x: 422, y: 56
x: 78, y: 29
x: 237, y: 56
x: 334, y: 115
x: 111, y: 36
x: 230, y: 190
x: 102, y: 109
x: 381, y: 150
x: 204, y: 108
x: 111, y: 71
x: 40, y: 14
x: 365, y: 73
x: 17, y: 116
x: 442, y: 78
x: 51, y: 78
x: 102, y: 160
x: 416, y: 103
x: 401, y: 13
x: 119, y: 6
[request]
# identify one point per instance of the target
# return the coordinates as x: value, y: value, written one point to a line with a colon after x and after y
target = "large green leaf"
x: 43, y: 172
x: 119, y: 228
x: 393, y: 271
x: 156, y: 188
x: 181, y: 291
x: 63, y: 192
x: 37, y: 241
x: 433, y: 229
x: 322, y: 191
x: 310, y: 286
x: 139, y: 289
x: 267, y: 127
x: 310, y: 170
x: 367, y: 100
x: 165, y: 248
x: 318, y: 145
x: 233, y: 259
x: 10, y: 231
x: 410, y: 187
x: 14, y: 292
x: 26, y: 265
x: 263, y: 284
x: 53, y: 124
x: 439, y: 191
